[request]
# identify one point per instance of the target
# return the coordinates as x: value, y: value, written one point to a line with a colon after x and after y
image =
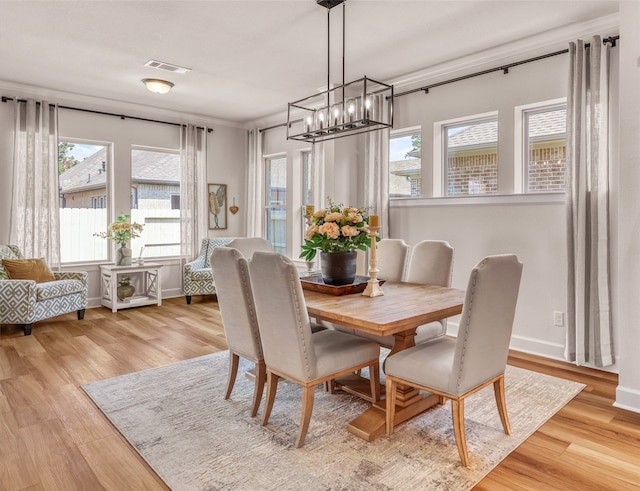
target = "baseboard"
x: 627, y: 398
x: 537, y: 347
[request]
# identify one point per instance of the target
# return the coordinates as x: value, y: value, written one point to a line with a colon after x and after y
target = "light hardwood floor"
x: 53, y: 438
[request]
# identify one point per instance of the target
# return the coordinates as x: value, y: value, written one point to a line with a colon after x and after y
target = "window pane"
x: 276, y: 201
x: 155, y: 202
x: 82, y: 168
x: 472, y: 158
x: 546, y: 150
x: 307, y: 191
x: 405, y: 165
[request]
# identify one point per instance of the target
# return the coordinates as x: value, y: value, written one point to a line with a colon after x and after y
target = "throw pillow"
x: 28, y: 269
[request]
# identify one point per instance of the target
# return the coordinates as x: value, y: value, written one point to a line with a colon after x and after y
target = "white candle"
x: 351, y: 110
x: 308, y: 122
x: 367, y: 108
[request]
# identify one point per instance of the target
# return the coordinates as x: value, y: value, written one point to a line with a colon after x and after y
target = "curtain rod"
x: 121, y: 116
x: 503, y: 68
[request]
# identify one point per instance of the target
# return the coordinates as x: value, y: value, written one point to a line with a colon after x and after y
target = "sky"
x: 398, y: 148
x: 81, y: 151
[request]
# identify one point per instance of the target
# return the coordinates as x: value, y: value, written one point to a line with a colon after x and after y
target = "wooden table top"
x: 404, y: 306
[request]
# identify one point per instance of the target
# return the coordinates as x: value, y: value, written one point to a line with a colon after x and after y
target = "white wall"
x: 225, y: 162
x: 628, y: 392
x: 535, y: 232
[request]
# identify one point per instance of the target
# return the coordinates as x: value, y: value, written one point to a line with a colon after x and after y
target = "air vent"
x: 161, y: 65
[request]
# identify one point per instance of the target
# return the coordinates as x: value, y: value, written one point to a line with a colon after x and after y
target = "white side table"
x: 145, y: 278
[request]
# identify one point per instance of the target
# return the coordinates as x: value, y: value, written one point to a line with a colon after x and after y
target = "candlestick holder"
x: 373, y: 288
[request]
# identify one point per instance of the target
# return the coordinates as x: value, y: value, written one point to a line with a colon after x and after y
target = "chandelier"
x: 356, y: 107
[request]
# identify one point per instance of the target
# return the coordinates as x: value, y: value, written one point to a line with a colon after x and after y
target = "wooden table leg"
x: 410, y: 402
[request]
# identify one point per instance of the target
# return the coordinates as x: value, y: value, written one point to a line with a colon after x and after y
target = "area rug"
x: 177, y: 419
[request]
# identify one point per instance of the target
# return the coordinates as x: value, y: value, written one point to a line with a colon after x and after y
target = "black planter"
x: 338, y: 268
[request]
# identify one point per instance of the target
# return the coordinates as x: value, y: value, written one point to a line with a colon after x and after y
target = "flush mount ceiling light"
x: 157, y: 86
x: 356, y: 107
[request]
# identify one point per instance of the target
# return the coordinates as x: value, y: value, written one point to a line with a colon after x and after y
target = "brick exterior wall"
x: 547, y: 169
x: 472, y: 174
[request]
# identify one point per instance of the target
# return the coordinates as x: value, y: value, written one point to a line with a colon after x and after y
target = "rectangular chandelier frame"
x: 356, y: 107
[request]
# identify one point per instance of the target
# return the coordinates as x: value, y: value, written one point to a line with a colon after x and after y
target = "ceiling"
x: 250, y: 57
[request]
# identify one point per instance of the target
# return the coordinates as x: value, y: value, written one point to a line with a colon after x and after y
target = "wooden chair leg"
x: 188, y: 297
x: 374, y: 379
x: 498, y: 389
x: 261, y: 377
x: 391, y: 388
x: 81, y: 314
x: 27, y: 329
x: 305, y: 417
x: 457, y: 411
x: 233, y: 371
x: 330, y: 387
x: 272, y: 386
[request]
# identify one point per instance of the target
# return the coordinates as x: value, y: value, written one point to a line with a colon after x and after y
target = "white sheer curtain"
x: 255, y: 184
x: 376, y: 177
x: 589, y: 328
x: 193, y: 190
x: 35, y: 218
x: 317, y: 175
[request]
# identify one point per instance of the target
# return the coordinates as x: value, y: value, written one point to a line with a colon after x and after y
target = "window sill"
x: 503, y: 199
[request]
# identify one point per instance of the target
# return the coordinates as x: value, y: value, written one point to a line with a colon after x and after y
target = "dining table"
x: 399, y: 312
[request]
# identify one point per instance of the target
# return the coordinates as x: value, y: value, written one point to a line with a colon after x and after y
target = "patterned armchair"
x: 24, y: 302
x: 197, y: 278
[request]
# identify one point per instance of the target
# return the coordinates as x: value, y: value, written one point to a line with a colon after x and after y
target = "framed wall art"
x: 217, y: 206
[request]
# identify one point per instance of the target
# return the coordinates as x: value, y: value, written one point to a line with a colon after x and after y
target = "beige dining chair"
x: 235, y: 300
x: 457, y: 368
x: 291, y: 350
x: 248, y: 245
x: 391, y: 259
x: 391, y: 262
x: 431, y: 263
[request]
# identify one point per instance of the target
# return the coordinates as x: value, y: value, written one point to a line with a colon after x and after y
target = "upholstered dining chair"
x: 431, y: 263
x: 248, y: 245
x: 455, y: 369
x: 235, y: 300
x: 391, y: 259
x: 291, y: 350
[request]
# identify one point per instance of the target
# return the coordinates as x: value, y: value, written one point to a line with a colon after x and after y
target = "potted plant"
x: 337, y: 232
x: 121, y: 232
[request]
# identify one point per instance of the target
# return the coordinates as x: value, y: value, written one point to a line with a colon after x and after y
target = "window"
x: 405, y: 164
x: 471, y: 149
x: 276, y: 203
x: 544, y: 148
x: 155, y: 201
x: 307, y: 188
x: 83, y: 169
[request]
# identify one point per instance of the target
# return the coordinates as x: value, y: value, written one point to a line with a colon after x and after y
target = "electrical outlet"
x: 558, y: 319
